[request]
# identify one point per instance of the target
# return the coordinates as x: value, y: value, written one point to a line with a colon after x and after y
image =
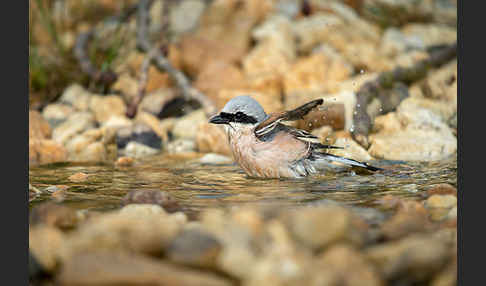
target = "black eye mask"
x: 239, y: 117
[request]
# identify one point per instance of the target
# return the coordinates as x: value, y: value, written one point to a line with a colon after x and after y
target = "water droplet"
x: 353, y: 173
x: 381, y: 109
x: 310, y: 124
x: 355, y: 112
x: 358, y: 105
x: 361, y: 71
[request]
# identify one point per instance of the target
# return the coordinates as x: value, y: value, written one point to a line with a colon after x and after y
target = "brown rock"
x: 316, y: 72
x: 107, y: 106
x: 54, y: 215
x: 211, y: 138
x: 38, y: 127
x: 410, y: 217
x: 44, y: 243
x: 415, y: 258
x: 441, y: 201
x: 78, y: 177
x: 104, y: 268
x: 155, y: 197
x: 197, y: 52
x: 46, y: 151
x: 333, y: 266
x: 332, y: 114
x: 75, y: 124
x: 140, y: 228
x: 124, y: 162
x: 76, y: 96
x: 219, y: 75
x: 194, y: 247
x: 56, y: 113
x: 311, y: 227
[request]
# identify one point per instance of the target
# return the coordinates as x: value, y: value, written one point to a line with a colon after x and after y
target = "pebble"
x: 78, y: 177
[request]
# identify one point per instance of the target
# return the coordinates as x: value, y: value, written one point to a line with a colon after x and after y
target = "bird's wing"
x: 272, y: 125
x: 275, y: 118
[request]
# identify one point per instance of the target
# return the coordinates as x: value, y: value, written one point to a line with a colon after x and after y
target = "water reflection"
x: 198, y: 186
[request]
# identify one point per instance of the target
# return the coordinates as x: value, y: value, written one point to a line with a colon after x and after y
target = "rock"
x: 44, y: 243
x: 186, y: 126
x: 117, y: 122
x: 45, y: 152
x: 56, y: 113
x: 140, y: 134
x: 311, y: 31
x: 155, y: 197
x: 441, y: 201
x: 351, y: 150
x: 75, y: 124
x: 185, y: 16
x: 104, y: 268
x: 194, y: 247
x: 316, y: 72
x: 431, y: 34
x: 215, y: 159
x: 76, y: 96
x: 312, y: 228
x: 209, y: 139
x: 138, y: 150
x: 104, y: 107
x: 160, y: 127
x: 282, y: 262
x: 139, y: 228
x: 53, y: 215
x: 197, y: 52
x: 126, y: 85
x: 412, y: 133
x: 332, y: 114
x: 410, y: 217
x: 124, y: 162
x: 38, y: 126
x: 158, y: 103
x: 219, y: 75
x: 91, y: 145
x: 414, y: 258
x: 181, y: 146
x: 78, y: 177
x: 334, y: 264
x: 394, y: 42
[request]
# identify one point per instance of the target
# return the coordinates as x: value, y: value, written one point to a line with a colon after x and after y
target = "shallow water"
x: 197, y: 186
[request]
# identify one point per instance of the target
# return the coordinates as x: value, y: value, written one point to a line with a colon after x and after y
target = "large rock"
x: 186, y: 126
x: 211, y: 138
x: 333, y: 268
x: 75, y: 124
x: 105, y: 107
x: 91, y: 145
x: 317, y: 72
x: 38, y: 127
x: 42, y: 149
x: 56, y: 113
x: 412, y: 133
x: 105, y: 268
x: 76, y: 96
x: 142, y: 228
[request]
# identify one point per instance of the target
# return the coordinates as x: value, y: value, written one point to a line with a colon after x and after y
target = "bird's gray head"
x: 241, y: 109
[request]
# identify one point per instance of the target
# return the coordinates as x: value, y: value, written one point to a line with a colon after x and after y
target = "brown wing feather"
x: 291, y: 115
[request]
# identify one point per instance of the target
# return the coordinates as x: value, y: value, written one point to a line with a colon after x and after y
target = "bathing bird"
x: 264, y: 147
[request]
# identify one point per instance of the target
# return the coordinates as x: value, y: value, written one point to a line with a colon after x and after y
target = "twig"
x: 107, y: 77
x: 162, y: 63
x: 132, y: 108
x: 385, y: 86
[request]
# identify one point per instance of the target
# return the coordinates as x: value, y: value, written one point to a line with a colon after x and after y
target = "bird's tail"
x: 329, y: 157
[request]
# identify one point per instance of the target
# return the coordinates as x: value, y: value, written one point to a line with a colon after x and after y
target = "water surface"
x: 197, y: 186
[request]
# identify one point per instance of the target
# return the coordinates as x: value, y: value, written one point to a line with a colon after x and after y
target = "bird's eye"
x: 239, y: 115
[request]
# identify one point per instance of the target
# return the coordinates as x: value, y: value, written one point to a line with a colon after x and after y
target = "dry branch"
x: 389, y: 89
x: 163, y: 64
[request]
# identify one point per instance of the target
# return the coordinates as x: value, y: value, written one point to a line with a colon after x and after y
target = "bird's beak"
x: 217, y: 119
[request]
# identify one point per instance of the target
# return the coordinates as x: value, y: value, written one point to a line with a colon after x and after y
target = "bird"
x: 264, y: 147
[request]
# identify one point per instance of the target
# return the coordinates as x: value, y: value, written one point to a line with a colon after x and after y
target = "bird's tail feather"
x: 346, y: 161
